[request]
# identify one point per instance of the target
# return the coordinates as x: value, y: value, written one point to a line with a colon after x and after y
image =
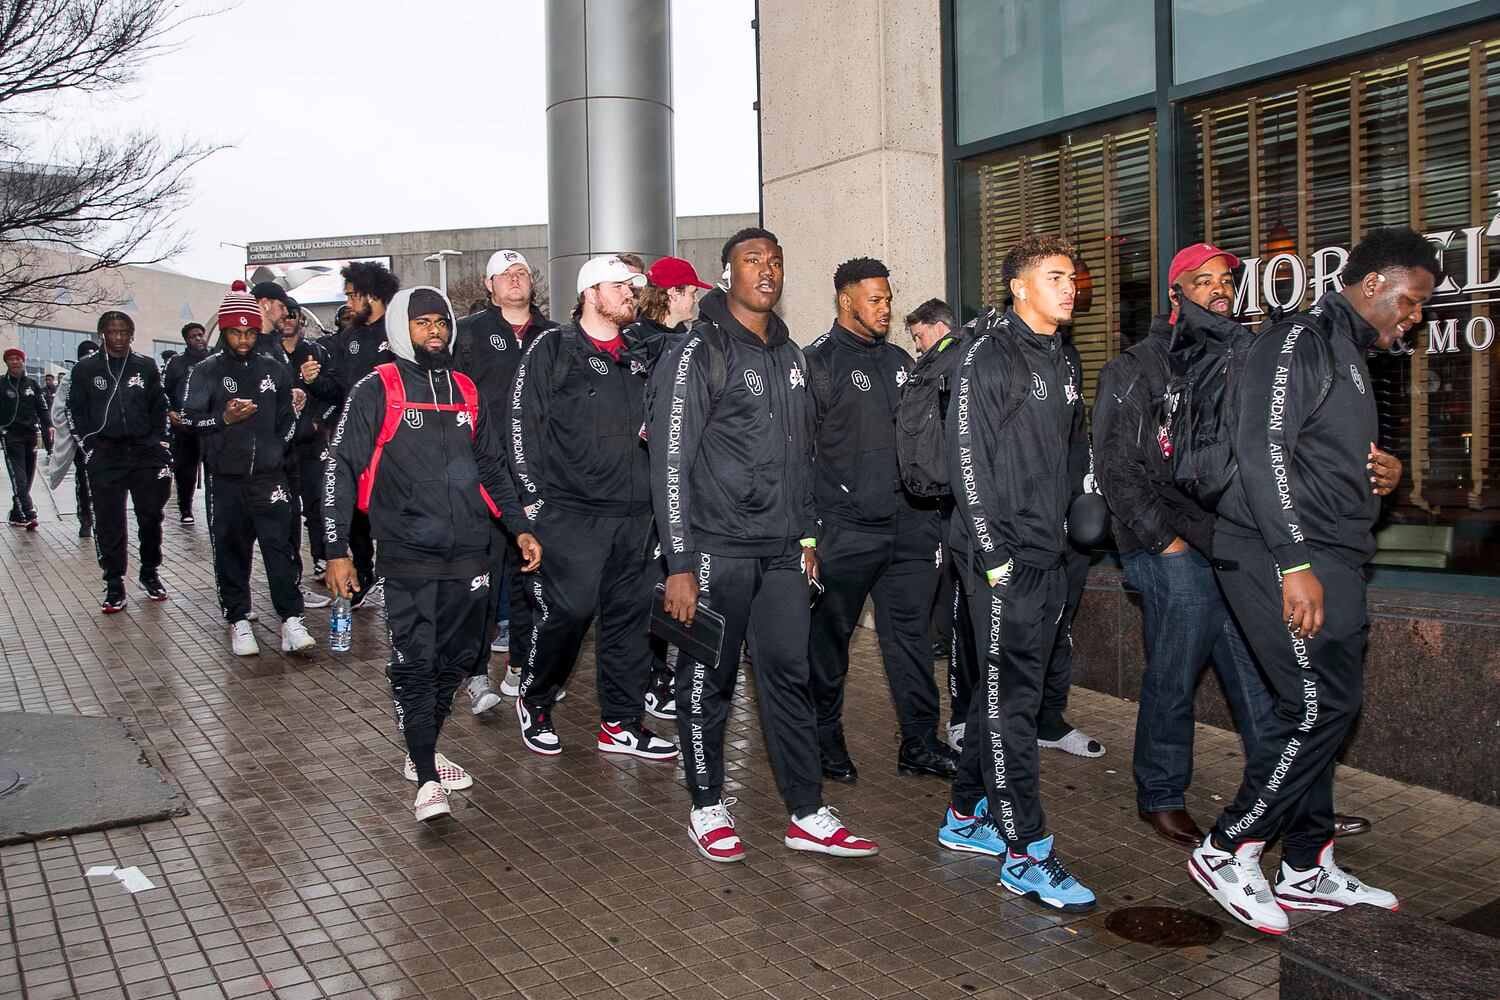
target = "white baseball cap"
x: 502, y: 261
x: 609, y: 268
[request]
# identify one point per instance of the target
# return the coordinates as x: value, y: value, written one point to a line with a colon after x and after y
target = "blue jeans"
x: 1185, y: 622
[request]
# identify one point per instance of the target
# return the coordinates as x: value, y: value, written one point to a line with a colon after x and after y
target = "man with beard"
x: 308, y: 454
x: 239, y: 401
x: 356, y: 350
x: 731, y: 432
x: 415, y: 447
x: 1166, y: 546
x: 117, y: 415
x: 487, y: 347
x: 582, y: 470
x: 186, y: 456
x: 873, y: 537
x: 1017, y: 448
x: 23, y: 413
x: 1293, y: 533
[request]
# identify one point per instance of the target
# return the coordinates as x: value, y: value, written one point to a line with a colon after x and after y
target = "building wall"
x: 158, y: 299
x: 851, y: 143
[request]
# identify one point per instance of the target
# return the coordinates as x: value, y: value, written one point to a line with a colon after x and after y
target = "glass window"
x: 49, y: 349
x: 1020, y: 62
x: 1211, y: 36
x: 1094, y: 187
x: 1289, y: 174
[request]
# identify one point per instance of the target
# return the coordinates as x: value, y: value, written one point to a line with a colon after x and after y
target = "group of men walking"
x: 503, y: 467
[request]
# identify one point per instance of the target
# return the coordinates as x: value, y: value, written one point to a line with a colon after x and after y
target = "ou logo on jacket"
x: 599, y: 366
x: 497, y: 342
x: 753, y: 382
x: 1038, y: 387
x: 230, y: 385
x: 413, y: 419
x: 861, y: 380
x: 1359, y: 383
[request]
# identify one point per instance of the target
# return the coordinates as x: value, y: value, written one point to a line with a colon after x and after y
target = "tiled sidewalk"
x: 299, y: 871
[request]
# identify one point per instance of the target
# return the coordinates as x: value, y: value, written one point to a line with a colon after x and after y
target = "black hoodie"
x: 575, y: 427
x: 856, y: 385
x: 650, y: 340
x: 117, y: 412
x: 174, y: 379
x: 23, y: 408
x: 1302, y: 479
x: 1017, y: 467
x: 731, y: 476
x: 253, y: 447
x: 487, y: 349
x: 1147, y: 509
x: 354, y: 353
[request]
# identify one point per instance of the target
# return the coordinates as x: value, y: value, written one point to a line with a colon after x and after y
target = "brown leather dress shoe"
x: 1350, y: 826
x: 1175, y: 825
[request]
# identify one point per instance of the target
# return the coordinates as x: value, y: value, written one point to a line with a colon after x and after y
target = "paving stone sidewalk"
x: 299, y: 871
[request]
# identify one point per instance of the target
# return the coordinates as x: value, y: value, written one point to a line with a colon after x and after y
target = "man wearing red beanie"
x: 23, y: 412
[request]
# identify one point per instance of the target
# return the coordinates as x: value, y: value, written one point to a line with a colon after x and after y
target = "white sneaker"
x: 252, y: 615
x: 481, y: 697
x: 453, y: 777
x: 1327, y: 887
x: 1236, y: 883
x: 824, y: 833
x: 294, y: 637
x: 320, y: 569
x: 511, y: 686
x: 956, y: 735
x: 713, y: 833
x: 432, y: 802
x: 1076, y: 743
x: 242, y: 639
x: 313, y: 599
x: 501, y: 642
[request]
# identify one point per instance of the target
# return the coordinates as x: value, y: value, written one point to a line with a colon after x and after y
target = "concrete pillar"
x: 609, y: 135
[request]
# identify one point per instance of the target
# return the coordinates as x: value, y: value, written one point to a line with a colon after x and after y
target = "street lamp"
x: 442, y: 262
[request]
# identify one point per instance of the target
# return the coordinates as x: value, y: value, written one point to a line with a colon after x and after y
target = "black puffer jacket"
x: 253, y: 447
x: 731, y: 472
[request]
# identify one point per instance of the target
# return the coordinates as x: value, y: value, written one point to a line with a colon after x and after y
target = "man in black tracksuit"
x: 426, y: 490
x: 23, y: 414
x: 581, y: 468
x: 239, y: 402
x: 731, y: 473
x: 872, y: 536
x: 308, y: 455
x: 356, y: 350
x: 1018, y: 448
x: 487, y: 347
x: 186, y: 455
x: 117, y: 414
x: 1294, y: 532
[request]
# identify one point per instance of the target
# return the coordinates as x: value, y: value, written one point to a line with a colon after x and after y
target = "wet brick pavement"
x: 299, y: 871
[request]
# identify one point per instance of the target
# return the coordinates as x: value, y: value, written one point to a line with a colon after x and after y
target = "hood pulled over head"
x: 409, y: 302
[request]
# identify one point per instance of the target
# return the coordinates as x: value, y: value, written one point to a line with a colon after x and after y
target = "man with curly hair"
x: 1019, y: 447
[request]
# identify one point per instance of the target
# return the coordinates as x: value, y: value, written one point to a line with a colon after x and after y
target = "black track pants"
x: 764, y: 600
x: 148, y: 488
x: 522, y: 614
x: 663, y: 656
x: 186, y: 458
x: 20, y: 464
x: 591, y: 564
x: 1019, y: 633
x: 1317, y: 685
x: 437, y: 628
x: 963, y: 660
x: 1050, y: 724
x: 81, y: 492
x: 901, y: 571
x: 362, y: 548
x: 240, y: 512
x: 499, y: 563
x: 305, y: 469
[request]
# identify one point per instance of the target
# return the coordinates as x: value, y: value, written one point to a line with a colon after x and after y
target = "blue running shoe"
x: 1038, y: 875
x: 975, y: 834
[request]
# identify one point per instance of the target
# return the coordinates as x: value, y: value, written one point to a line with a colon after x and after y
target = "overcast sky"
x: 359, y: 116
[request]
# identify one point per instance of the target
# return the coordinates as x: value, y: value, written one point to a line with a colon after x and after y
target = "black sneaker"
x: 836, y: 763
x: 627, y: 737
x: 152, y: 585
x: 186, y: 518
x: 925, y: 755
x: 536, y: 729
x: 31, y: 520
x: 661, y: 701
x: 17, y: 519
x: 114, y: 597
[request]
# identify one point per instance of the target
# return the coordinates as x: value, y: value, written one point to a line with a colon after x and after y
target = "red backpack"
x: 396, y: 405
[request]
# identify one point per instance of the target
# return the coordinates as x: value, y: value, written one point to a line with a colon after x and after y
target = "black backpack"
x: 716, y: 343
x: 1200, y: 406
x: 922, y: 413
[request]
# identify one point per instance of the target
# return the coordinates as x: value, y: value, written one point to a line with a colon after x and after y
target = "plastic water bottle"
x: 340, y: 625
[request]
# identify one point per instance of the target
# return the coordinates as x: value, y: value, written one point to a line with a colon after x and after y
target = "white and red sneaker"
x: 629, y: 738
x: 713, y: 833
x: 1327, y: 887
x: 432, y: 802
x: 453, y: 777
x: 824, y: 833
x: 1236, y: 883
